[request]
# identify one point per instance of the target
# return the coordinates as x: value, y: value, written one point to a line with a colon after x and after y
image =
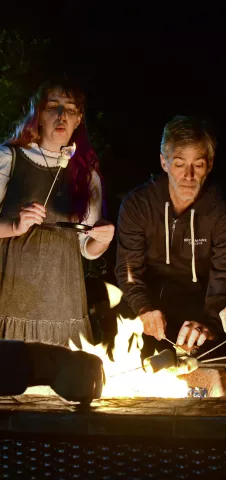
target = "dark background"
x: 139, y: 64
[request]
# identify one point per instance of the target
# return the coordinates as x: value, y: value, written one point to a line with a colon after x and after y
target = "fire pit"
x: 128, y: 433
x: 132, y: 438
x: 43, y: 437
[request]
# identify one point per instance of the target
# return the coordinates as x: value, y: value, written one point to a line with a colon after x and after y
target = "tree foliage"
x: 20, y: 63
x: 25, y: 62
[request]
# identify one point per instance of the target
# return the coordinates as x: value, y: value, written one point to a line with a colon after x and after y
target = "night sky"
x: 137, y: 67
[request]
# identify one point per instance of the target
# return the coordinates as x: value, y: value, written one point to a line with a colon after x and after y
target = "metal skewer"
x: 211, y: 350
x: 164, y: 359
x: 176, y: 346
x: 127, y: 371
x: 212, y: 365
x: 213, y: 359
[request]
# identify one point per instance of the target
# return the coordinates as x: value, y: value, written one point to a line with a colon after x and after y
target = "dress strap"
x: 13, y: 150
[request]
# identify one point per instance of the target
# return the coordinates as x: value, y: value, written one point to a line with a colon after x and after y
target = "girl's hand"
x: 102, y: 232
x: 32, y: 214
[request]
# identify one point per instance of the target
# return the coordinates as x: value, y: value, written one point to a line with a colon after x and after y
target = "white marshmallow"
x: 66, y: 154
x: 222, y: 316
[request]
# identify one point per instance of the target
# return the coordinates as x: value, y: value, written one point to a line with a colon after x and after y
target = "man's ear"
x: 163, y: 163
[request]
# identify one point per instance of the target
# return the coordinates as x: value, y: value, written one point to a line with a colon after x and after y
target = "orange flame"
x: 125, y: 376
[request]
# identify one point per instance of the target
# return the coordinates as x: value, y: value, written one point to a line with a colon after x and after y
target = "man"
x: 171, y: 255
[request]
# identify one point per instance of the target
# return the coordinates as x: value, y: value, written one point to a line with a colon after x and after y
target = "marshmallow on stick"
x: 63, y: 159
x: 222, y: 316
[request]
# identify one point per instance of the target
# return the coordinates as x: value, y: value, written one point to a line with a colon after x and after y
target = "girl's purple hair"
x: 83, y: 162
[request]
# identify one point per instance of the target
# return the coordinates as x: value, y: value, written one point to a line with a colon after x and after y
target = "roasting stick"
x: 63, y: 159
x: 127, y: 371
x: 213, y: 359
x: 54, y: 181
x: 212, y: 365
x: 211, y: 350
x: 176, y: 346
x: 164, y: 359
x: 222, y: 316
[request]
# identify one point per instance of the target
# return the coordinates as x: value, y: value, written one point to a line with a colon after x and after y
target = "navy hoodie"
x: 146, y: 220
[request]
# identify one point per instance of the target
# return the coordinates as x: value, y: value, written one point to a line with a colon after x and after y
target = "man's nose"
x: 189, y: 172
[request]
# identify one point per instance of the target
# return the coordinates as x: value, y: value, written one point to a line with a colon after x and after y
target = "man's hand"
x: 34, y: 213
x: 193, y: 332
x: 154, y: 324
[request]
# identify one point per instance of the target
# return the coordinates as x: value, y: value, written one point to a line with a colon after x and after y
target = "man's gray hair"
x: 184, y: 131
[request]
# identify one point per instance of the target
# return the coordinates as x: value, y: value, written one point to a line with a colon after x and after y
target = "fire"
x: 125, y: 375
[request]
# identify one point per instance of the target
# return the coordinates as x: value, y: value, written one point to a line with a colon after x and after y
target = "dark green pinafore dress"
x: 42, y: 288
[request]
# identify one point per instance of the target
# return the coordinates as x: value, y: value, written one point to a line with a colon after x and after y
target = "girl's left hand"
x: 102, y: 232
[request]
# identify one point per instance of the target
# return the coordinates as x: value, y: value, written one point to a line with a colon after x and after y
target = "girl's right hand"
x: 32, y: 214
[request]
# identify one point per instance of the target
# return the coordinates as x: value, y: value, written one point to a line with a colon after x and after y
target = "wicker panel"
x: 58, y: 460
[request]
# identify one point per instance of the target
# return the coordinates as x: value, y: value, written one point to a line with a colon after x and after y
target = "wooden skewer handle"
x: 47, y: 198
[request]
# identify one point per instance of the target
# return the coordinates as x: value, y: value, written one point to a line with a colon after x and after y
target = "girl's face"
x: 58, y: 120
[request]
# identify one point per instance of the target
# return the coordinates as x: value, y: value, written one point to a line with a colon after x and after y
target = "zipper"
x: 173, y: 230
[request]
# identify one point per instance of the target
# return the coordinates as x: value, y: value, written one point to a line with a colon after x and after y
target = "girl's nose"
x: 61, y: 111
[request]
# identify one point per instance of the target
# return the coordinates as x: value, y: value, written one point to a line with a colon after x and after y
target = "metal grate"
x: 97, y: 459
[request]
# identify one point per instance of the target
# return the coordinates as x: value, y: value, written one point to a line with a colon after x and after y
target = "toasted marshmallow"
x: 66, y: 154
x: 222, y: 316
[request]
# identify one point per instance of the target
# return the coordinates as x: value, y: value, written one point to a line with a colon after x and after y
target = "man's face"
x: 187, y: 168
x: 59, y: 119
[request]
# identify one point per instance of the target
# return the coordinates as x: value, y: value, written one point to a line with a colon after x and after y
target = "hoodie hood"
x: 209, y: 196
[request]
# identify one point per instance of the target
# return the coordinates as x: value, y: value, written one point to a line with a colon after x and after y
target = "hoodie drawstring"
x: 194, y: 277
x: 167, y: 232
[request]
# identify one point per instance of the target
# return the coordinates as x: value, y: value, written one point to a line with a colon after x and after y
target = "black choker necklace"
x: 53, y: 176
